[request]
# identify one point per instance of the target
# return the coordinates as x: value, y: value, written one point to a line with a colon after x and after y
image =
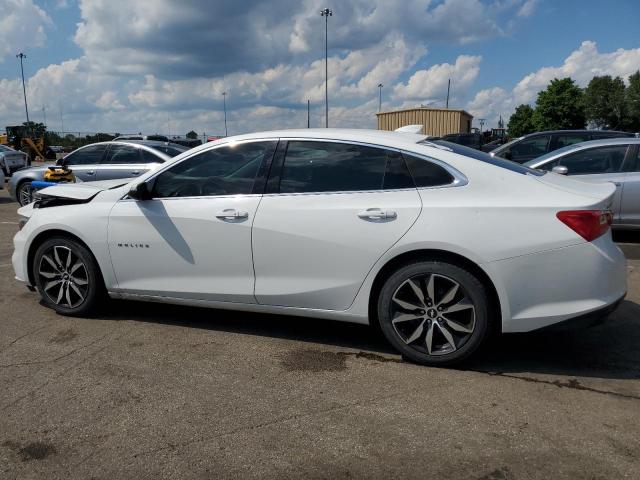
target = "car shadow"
x: 609, y: 350
x: 4, y: 200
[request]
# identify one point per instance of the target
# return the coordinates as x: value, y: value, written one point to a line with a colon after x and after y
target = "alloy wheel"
x: 64, y: 277
x: 433, y: 314
x: 25, y: 195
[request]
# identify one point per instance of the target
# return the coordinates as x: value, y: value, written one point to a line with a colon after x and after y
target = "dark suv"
x: 531, y: 146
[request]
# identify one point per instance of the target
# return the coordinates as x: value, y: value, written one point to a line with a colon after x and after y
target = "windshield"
x: 484, y: 157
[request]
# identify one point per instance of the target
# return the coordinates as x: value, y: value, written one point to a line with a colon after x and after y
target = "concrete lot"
x: 154, y: 391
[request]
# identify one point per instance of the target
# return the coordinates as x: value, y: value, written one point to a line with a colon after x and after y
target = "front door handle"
x: 377, y: 214
x: 232, y: 214
x: 617, y: 184
x: 90, y: 172
x: 135, y: 172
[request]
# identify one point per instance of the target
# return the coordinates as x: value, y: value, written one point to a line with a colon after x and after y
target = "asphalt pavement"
x: 157, y: 391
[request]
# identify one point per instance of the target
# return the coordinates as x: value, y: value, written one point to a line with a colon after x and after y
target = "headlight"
x: 22, y: 221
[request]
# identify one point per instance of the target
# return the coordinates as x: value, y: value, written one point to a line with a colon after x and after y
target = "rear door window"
x: 311, y: 166
x: 88, y: 155
x: 564, y: 140
x: 122, y: 155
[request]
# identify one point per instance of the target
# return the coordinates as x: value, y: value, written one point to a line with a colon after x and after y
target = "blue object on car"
x: 37, y: 185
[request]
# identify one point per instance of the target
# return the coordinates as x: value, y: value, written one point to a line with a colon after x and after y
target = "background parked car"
x: 492, y: 145
x: 534, y: 145
x: 11, y: 160
x: 472, y: 140
x: 100, y: 161
x: 615, y: 160
x: 157, y: 138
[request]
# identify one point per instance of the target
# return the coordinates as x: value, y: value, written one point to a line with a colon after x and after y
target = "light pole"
x: 326, y: 13
x: 380, y: 97
x: 44, y: 114
x: 481, y: 120
x: 224, y: 100
x: 22, y: 56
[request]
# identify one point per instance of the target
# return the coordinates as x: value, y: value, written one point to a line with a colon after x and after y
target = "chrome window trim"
x: 459, y: 179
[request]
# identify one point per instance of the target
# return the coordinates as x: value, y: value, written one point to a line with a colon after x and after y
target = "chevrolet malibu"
x: 437, y: 244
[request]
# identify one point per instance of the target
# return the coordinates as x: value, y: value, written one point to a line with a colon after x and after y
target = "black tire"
x: 64, y: 286
x: 466, y: 310
x: 24, y: 193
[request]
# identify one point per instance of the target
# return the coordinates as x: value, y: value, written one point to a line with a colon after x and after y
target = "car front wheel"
x: 24, y: 193
x: 67, y: 277
x: 433, y: 312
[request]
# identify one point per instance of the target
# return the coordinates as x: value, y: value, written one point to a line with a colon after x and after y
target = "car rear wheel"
x: 67, y: 277
x: 434, y: 313
x: 24, y: 193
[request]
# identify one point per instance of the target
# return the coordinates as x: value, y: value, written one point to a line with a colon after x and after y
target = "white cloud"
x: 22, y: 26
x: 432, y: 82
x: 527, y: 9
x: 581, y: 65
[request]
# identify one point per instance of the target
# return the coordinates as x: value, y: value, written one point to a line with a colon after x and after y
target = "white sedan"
x: 438, y: 244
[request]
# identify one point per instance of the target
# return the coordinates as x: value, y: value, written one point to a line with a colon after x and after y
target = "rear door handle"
x: 135, y: 172
x: 617, y: 184
x: 232, y: 214
x: 377, y: 214
x: 90, y: 172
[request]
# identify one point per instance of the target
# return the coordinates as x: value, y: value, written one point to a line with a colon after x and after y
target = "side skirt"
x: 343, y: 316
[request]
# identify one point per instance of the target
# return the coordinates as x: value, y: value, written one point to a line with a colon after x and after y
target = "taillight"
x: 589, y: 224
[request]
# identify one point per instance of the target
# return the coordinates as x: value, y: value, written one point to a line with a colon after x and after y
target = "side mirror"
x: 140, y: 191
x: 560, y: 170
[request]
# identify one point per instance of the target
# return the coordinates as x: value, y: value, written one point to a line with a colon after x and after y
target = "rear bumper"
x: 556, y: 286
x: 585, y: 320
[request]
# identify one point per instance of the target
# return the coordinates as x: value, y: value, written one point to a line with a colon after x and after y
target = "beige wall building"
x: 435, y: 121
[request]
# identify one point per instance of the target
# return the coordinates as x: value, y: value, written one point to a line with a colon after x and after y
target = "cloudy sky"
x: 162, y: 65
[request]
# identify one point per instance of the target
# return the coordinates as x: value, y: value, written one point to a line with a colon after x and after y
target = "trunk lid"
x: 597, y: 191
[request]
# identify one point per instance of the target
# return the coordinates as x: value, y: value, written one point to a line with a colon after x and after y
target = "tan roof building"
x: 435, y: 121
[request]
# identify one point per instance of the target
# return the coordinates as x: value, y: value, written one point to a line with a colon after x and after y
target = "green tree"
x: 521, y: 122
x: 560, y: 106
x: 604, y: 103
x: 192, y: 134
x: 632, y: 96
x: 37, y: 128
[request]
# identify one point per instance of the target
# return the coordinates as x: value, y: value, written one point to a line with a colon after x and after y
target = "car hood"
x: 599, y: 191
x: 81, y: 191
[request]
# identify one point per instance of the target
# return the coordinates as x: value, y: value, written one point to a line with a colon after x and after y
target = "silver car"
x: 99, y: 161
x: 11, y: 160
x: 614, y: 160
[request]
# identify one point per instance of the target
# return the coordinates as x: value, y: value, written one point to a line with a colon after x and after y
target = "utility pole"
x: 44, y: 114
x: 224, y: 100
x: 481, y: 120
x: 22, y: 56
x: 380, y: 97
x: 308, y: 114
x: 61, y: 120
x: 326, y: 13
x: 448, y: 89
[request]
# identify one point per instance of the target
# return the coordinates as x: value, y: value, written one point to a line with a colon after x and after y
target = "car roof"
x: 548, y: 132
x: 376, y: 137
x: 605, y: 142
